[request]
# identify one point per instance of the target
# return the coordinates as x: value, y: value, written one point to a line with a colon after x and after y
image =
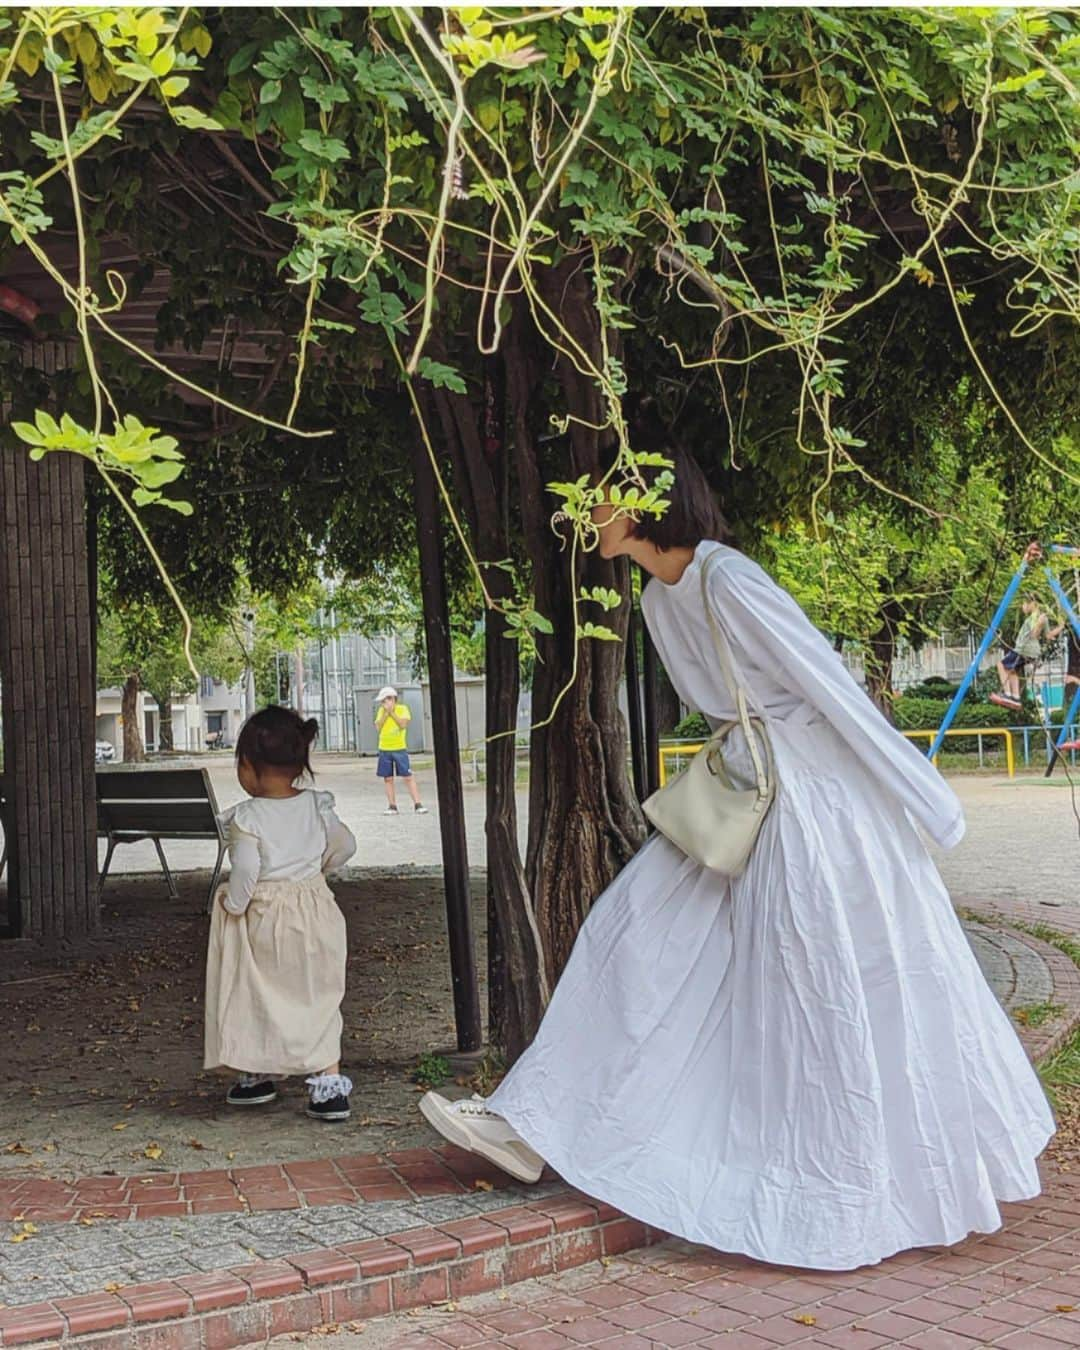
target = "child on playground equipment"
x: 275, y: 969
x: 1027, y: 649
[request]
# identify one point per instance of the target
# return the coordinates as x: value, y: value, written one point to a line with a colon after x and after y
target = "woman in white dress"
x: 803, y: 1064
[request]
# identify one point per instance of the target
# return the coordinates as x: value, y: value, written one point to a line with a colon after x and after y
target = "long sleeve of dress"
x: 762, y: 620
x: 340, y: 843
x: 243, y: 870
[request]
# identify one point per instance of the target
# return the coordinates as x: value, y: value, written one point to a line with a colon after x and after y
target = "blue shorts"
x: 1013, y: 661
x: 393, y: 762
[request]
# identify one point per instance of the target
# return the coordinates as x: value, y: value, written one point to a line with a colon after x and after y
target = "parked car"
x: 104, y: 752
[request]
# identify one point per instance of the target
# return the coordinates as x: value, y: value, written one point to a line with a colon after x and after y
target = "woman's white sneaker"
x: 471, y: 1126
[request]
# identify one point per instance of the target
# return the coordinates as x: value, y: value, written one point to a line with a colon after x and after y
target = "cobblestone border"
x: 1041, y: 1042
x: 353, y: 1282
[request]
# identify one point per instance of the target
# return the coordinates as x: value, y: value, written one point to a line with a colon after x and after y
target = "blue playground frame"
x: 988, y: 637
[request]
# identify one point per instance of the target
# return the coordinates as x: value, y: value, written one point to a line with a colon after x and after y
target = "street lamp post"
x: 249, y: 667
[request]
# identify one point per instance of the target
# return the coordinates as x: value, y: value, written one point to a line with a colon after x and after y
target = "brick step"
x: 418, y: 1268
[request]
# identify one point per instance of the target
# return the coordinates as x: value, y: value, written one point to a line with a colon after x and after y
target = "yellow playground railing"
x: 676, y: 752
x: 669, y: 752
x: 1010, y: 755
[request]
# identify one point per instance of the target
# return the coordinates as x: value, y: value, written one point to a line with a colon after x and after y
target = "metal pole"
x: 249, y: 668
x: 651, y: 670
x: 633, y: 704
x: 1074, y: 622
x: 973, y: 669
x: 447, y: 753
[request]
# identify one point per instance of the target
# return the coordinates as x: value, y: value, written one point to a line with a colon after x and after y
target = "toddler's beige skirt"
x: 275, y: 979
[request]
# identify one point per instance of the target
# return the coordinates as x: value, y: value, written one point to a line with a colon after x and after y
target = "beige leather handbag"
x: 702, y: 811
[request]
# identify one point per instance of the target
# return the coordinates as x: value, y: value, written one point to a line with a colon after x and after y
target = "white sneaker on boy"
x: 471, y: 1126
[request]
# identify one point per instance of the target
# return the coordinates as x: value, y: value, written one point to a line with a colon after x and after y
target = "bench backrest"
x: 177, y: 802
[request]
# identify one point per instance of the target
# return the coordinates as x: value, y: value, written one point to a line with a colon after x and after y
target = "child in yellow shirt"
x: 392, y: 719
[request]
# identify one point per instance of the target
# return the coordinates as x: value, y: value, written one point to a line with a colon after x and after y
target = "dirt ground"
x: 102, y: 1051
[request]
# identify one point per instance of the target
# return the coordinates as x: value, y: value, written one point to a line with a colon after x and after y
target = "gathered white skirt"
x: 275, y: 979
x: 805, y: 1064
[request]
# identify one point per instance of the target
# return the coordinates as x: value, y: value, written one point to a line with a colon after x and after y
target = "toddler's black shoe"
x: 250, y: 1091
x: 329, y: 1099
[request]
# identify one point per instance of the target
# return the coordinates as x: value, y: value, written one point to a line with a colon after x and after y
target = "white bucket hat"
x: 387, y: 691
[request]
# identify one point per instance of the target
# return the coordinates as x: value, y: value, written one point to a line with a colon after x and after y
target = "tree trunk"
x: 584, y: 820
x: 880, y: 654
x: 134, y: 753
x: 668, y: 707
x: 440, y: 664
x: 517, y: 986
x: 165, y: 720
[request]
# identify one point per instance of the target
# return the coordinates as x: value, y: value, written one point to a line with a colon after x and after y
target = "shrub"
x: 693, y: 727
x: 935, y: 687
x: 926, y: 714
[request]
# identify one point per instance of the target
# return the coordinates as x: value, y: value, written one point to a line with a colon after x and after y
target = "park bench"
x: 157, y: 804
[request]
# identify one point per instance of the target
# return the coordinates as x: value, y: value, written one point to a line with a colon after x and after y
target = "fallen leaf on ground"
x: 112, y: 1287
x: 196, y: 1143
x: 805, y: 1320
x: 122, y: 1125
x: 153, y: 1151
x: 16, y: 1148
x: 1065, y: 1307
x: 481, y: 1185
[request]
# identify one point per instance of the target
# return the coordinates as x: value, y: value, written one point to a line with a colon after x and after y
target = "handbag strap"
x: 727, y: 669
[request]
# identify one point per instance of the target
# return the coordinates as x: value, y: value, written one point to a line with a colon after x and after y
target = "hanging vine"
x: 783, y: 171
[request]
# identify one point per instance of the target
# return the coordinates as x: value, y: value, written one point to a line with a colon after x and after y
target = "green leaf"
x: 241, y: 60
x: 194, y: 119
x: 270, y: 92
x: 440, y: 375
x: 597, y: 631
x: 27, y: 433
x: 157, y: 475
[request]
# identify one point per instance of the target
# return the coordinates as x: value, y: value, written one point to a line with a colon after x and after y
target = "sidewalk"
x: 1017, y: 1290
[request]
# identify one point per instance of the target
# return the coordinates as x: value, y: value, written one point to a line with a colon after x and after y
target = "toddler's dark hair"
x: 278, y: 738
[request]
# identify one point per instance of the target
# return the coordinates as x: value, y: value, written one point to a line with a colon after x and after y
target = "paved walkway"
x: 1018, y: 1289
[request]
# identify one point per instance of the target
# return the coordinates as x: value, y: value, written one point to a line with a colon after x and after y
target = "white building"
x: 213, y: 716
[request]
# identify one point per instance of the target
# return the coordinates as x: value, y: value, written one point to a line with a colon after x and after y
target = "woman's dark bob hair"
x: 693, y: 513
x: 278, y: 738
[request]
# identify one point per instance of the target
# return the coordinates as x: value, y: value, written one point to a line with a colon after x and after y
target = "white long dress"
x: 804, y: 1064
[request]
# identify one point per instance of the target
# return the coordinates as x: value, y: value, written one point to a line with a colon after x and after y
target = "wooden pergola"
x: 48, y: 584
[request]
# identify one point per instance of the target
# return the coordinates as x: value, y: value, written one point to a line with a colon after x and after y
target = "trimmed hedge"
x: 926, y: 714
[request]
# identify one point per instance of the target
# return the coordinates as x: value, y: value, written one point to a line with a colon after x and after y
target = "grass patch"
x: 1062, y: 1069
x: 489, y: 1074
x: 1035, y: 1014
x: 431, y: 1071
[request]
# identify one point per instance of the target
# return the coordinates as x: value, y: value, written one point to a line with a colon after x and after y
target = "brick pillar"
x: 49, y: 700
